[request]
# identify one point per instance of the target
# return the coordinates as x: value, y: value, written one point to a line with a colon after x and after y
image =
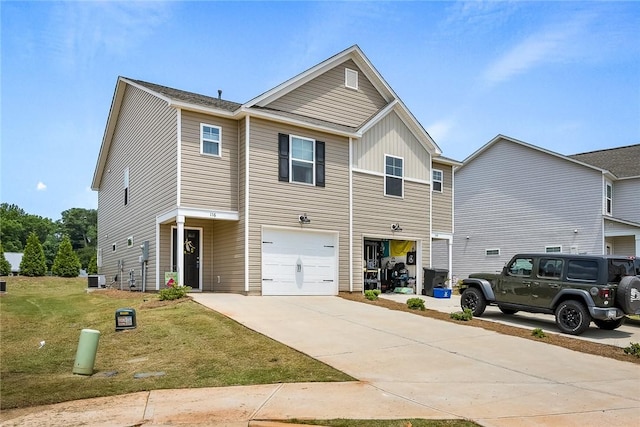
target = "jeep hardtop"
x: 577, y: 289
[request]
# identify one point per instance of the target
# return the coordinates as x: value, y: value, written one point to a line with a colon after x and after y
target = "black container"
x: 433, y: 278
x: 92, y: 281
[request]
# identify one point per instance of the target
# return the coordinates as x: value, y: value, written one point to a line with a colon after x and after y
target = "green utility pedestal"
x: 86, y: 353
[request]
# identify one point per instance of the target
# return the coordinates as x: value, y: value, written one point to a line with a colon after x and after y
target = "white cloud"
x: 41, y: 186
x: 440, y: 129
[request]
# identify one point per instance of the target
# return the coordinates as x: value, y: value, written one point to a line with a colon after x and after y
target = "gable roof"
x: 623, y: 162
x: 500, y: 137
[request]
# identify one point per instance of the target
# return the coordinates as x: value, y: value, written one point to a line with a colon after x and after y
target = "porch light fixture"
x: 304, y: 219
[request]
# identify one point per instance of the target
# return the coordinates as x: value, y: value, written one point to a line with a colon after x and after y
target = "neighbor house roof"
x: 623, y: 162
x: 14, y: 258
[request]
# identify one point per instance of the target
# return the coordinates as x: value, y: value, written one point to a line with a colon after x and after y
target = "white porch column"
x: 180, y: 249
x: 450, y: 274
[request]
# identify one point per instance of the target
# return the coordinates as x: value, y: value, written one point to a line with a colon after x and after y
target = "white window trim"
x: 354, y: 76
x: 546, y: 249
x: 608, y: 201
x: 393, y: 176
x: 203, y: 140
x: 486, y: 252
x: 441, y: 181
x: 291, y: 159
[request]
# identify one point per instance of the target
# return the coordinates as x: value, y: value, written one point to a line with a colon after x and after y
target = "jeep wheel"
x: 474, y: 300
x: 609, y: 325
x: 507, y: 310
x: 628, y: 295
x: 572, y: 317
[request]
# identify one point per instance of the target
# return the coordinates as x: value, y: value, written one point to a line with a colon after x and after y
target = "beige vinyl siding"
x: 144, y: 140
x: 209, y: 182
x: 623, y: 245
x: 442, y: 208
x: 391, y: 136
x: 275, y: 203
x: 228, y: 257
x: 373, y: 214
x: 327, y: 98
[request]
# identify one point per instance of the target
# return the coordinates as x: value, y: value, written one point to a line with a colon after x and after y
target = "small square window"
x: 553, y: 249
x: 437, y: 180
x: 129, y: 241
x: 350, y: 78
x: 210, y: 137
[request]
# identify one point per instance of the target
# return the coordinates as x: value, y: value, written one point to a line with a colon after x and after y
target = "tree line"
x: 59, y: 247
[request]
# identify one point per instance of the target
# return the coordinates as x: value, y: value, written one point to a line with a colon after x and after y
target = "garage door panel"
x: 298, y: 263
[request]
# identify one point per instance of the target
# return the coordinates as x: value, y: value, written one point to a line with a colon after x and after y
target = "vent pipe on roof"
x: 219, y: 93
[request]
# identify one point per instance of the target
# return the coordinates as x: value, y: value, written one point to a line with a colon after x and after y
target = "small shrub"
x: 173, y: 292
x: 5, y: 266
x: 66, y: 263
x: 415, y: 304
x: 538, y: 333
x: 371, y: 294
x: 33, y: 262
x: 633, y: 349
x: 465, y: 315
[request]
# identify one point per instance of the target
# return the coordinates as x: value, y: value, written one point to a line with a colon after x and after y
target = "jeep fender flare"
x: 483, y: 285
x: 580, y: 293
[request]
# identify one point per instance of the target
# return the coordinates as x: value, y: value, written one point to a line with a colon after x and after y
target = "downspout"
x: 246, y: 203
x: 350, y: 215
x: 453, y: 226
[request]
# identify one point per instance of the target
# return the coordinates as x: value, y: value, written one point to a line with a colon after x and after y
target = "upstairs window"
x: 126, y: 186
x: 437, y: 180
x: 300, y: 160
x: 393, y: 176
x: 350, y: 78
x: 210, y: 137
x: 608, y: 199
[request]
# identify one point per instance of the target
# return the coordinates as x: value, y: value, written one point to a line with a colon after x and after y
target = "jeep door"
x: 514, y: 284
x: 547, y: 282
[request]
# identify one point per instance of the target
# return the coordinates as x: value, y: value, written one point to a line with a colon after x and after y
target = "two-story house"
x: 516, y: 197
x: 320, y: 185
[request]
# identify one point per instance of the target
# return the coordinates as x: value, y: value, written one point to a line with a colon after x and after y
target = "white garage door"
x: 299, y: 263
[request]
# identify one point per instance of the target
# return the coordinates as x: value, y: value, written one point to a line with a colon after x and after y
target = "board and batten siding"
x: 144, y: 140
x: 327, y: 98
x: 209, y: 182
x: 373, y: 214
x: 442, y: 204
x: 626, y: 199
x: 391, y: 136
x: 518, y: 199
x: 275, y: 203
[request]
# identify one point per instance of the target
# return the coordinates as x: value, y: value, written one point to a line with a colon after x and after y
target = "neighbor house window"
x: 437, y: 180
x: 130, y: 241
x: 300, y: 160
x: 551, y: 249
x: 393, y: 176
x: 350, y: 78
x: 608, y: 199
x: 126, y: 186
x: 113, y: 247
x: 210, y: 137
x: 492, y: 252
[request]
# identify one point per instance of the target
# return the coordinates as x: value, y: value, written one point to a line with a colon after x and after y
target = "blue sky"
x: 561, y: 75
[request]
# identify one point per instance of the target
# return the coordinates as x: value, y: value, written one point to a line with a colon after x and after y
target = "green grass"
x: 194, y: 346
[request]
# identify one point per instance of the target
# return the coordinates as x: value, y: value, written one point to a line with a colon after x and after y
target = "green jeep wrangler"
x: 578, y: 289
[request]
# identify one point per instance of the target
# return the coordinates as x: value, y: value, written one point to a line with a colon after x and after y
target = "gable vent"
x: 350, y: 78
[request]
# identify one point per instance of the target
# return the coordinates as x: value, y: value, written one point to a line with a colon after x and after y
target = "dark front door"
x: 191, y: 252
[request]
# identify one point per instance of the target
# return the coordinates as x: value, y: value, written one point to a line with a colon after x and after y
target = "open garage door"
x: 299, y: 262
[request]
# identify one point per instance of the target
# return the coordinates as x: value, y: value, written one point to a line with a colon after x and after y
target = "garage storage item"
x: 125, y: 319
x: 86, y: 353
x: 433, y: 278
x: 441, y: 293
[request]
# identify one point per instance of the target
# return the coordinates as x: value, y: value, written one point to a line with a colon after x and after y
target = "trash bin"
x: 433, y: 278
x: 92, y: 281
x: 86, y: 353
x: 3, y: 286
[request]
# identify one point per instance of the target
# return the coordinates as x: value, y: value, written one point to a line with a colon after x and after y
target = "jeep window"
x: 618, y: 268
x: 582, y: 270
x: 550, y: 268
x: 521, y: 267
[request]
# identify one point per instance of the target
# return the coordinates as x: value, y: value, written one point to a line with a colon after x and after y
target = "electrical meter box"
x: 125, y: 319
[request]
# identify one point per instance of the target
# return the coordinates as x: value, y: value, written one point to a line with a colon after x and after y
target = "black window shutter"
x: 283, y: 157
x: 319, y: 163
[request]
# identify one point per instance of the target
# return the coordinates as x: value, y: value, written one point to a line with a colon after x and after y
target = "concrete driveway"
x: 445, y: 370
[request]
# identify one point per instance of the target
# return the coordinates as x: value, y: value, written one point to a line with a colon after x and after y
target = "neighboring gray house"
x: 515, y: 197
x: 14, y: 258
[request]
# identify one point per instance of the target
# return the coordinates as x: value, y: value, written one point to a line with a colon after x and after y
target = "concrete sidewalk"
x: 409, y: 366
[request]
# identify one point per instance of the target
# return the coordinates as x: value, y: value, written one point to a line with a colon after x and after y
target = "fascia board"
x: 300, y: 123
x: 201, y: 109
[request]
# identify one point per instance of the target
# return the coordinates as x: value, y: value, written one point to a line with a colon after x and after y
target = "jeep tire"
x: 628, y: 294
x: 609, y: 325
x: 572, y: 317
x: 473, y: 299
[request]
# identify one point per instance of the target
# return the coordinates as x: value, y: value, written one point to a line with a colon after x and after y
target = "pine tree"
x: 33, y: 261
x: 66, y: 263
x: 5, y: 266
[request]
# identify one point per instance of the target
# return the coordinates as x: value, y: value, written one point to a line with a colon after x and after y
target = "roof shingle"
x: 623, y: 162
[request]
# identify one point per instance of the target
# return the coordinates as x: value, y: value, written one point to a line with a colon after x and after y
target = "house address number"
x: 212, y: 214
